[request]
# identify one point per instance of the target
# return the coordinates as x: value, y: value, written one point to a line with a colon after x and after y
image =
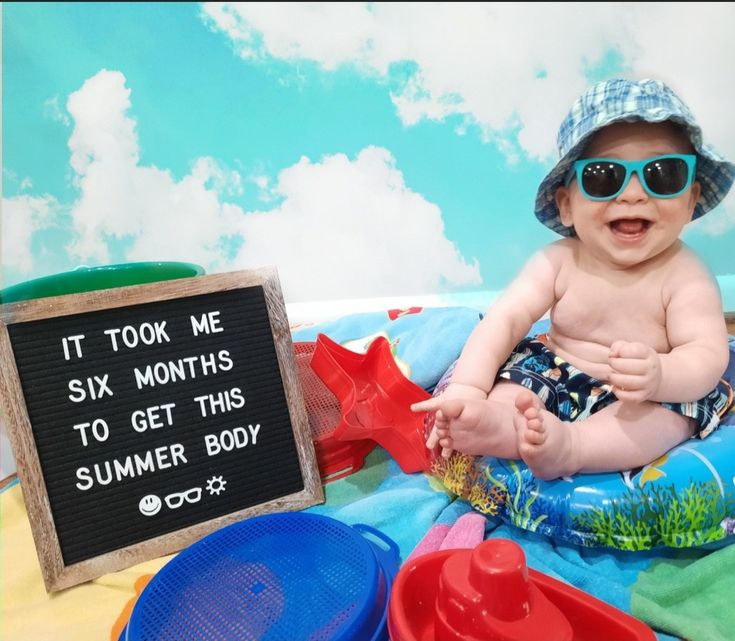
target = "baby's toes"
x: 534, y: 420
x: 534, y: 436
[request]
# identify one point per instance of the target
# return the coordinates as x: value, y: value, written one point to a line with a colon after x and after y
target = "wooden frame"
x: 56, y: 574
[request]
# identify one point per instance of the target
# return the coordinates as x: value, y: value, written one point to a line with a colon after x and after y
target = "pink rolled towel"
x: 467, y: 532
x: 431, y: 541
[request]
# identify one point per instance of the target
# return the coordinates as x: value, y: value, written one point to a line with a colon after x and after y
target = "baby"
x: 631, y: 364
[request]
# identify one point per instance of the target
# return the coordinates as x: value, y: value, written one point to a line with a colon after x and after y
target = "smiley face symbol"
x: 149, y: 505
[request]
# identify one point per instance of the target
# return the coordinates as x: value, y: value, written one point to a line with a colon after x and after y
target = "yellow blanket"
x: 92, y: 611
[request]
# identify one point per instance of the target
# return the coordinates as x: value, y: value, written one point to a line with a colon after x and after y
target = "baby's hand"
x: 635, y: 371
x: 440, y: 430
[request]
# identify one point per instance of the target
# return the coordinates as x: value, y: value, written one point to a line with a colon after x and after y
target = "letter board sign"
x: 144, y: 417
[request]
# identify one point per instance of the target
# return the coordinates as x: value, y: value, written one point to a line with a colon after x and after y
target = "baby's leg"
x: 482, y: 427
x: 618, y: 437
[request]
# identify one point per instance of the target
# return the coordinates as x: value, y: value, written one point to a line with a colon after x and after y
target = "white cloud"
x: 54, y: 111
x: 502, y: 66
x: 23, y: 216
x: 719, y: 221
x: 353, y: 228
x: 160, y: 218
x: 690, y: 46
x: 348, y: 25
x: 511, y: 69
x: 341, y: 227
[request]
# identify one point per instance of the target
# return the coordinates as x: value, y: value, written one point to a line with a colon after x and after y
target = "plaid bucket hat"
x: 629, y: 100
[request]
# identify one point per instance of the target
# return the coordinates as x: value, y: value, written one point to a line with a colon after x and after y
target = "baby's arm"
x: 697, y: 333
x: 509, y: 319
x: 506, y: 322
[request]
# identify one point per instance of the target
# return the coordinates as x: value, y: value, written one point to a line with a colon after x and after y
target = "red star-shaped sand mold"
x: 375, y: 399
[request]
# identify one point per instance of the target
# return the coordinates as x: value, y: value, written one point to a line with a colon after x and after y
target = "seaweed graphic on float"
x: 487, y: 497
x: 507, y: 489
x: 529, y: 505
x: 461, y: 475
x: 457, y: 473
x: 658, y: 515
x: 520, y: 495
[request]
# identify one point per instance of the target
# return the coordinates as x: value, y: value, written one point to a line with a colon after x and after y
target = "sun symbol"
x: 215, y: 485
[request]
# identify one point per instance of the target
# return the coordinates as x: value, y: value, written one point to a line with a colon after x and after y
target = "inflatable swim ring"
x: 686, y: 498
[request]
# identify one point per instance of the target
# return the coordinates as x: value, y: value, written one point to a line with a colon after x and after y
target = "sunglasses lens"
x: 174, y: 500
x: 666, y: 176
x: 602, y: 179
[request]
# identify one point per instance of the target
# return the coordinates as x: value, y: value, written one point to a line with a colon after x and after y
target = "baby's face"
x: 634, y: 226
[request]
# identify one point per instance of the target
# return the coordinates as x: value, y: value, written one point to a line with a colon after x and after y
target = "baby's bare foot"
x: 468, y: 424
x: 477, y: 427
x: 545, y: 443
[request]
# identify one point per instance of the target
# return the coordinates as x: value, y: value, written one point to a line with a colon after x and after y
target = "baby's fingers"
x: 629, y: 366
x: 433, y: 438
x: 624, y: 349
x: 625, y: 382
x: 429, y: 405
x: 449, y: 408
x: 630, y: 396
x: 447, y: 445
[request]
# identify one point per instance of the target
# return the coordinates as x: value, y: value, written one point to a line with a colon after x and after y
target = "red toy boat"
x: 490, y: 594
x: 375, y: 399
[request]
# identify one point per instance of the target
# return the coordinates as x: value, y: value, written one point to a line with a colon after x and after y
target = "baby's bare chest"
x: 596, y: 310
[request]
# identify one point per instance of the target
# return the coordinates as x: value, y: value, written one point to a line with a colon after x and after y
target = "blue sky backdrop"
x: 365, y: 149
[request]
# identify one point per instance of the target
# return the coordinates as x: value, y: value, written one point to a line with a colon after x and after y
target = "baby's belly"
x: 588, y: 356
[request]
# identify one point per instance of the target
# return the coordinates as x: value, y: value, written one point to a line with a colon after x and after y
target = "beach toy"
x: 87, y: 279
x: 375, y: 399
x: 685, y: 498
x: 277, y: 576
x: 490, y: 594
x: 336, y: 459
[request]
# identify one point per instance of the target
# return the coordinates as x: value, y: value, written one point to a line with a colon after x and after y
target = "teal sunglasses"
x: 606, y: 178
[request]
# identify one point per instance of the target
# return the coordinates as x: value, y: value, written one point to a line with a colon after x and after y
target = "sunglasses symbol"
x: 177, y: 499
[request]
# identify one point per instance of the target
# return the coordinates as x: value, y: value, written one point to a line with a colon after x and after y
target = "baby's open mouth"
x: 630, y: 227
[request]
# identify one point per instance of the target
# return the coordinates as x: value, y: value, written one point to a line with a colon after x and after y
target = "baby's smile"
x: 629, y: 228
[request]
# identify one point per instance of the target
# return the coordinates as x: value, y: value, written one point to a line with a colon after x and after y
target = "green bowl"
x: 87, y: 279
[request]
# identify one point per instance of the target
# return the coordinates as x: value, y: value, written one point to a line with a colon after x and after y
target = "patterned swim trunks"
x: 572, y: 395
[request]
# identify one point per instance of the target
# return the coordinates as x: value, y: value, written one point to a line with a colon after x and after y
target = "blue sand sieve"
x: 277, y: 577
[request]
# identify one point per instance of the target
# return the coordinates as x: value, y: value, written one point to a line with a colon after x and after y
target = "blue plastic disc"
x: 285, y: 576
